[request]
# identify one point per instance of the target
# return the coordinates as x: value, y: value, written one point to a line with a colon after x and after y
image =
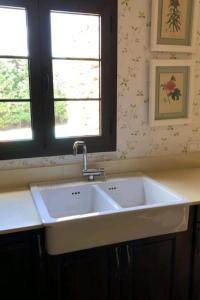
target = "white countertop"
x: 185, y: 182
x: 18, y: 212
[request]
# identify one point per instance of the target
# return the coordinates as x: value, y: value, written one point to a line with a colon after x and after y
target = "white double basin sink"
x: 83, y: 215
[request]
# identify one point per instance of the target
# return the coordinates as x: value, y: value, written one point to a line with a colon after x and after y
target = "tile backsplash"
x: 135, y: 138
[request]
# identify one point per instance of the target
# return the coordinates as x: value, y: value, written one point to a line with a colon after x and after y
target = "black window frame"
x: 41, y: 79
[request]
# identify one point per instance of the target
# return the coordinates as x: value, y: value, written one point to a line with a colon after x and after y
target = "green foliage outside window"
x: 14, y: 84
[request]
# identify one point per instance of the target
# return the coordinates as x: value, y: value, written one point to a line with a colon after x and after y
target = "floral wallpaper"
x: 135, y: 138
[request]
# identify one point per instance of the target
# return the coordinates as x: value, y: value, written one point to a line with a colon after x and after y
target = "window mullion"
x: 46, y: 69
x: 36, y: 76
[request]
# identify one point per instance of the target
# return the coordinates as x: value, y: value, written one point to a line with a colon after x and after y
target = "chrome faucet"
x: 90, y: 173
x: 75, y: 150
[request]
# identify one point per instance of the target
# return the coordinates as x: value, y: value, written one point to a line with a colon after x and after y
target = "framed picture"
x: 173, y: 25
x: 171, y: 87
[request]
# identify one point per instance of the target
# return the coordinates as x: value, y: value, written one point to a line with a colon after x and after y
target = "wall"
x: 135, y: 138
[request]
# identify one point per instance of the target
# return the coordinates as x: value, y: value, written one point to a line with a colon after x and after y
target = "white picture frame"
x: 162, y: 93
x: 160, y: 44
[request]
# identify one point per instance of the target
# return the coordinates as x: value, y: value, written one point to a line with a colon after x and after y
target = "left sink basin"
x: 70, y: 201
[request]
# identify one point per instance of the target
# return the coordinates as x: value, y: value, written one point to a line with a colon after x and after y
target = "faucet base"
x: 92, y: 173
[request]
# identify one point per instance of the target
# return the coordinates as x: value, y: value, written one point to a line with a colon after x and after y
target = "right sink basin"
x: 139, y: 192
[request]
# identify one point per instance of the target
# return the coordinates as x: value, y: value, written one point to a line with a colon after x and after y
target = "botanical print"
x: 171, y: 93
x: 174, y: 19
x: 174, y: 16
x: 171, y: 89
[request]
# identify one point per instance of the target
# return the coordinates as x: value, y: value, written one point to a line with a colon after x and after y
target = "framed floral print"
x: 173, y: 25
x: 171, y: 87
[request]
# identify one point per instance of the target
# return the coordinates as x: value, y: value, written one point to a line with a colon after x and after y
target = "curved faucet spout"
x: 75, y: 150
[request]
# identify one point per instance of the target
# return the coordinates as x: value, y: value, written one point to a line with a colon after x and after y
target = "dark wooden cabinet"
x: 195, y: 294
x: 151, y: 270
x: 156, y: 268
x: 20, y: 266
x: 157, y: 272
x: 91, y: 274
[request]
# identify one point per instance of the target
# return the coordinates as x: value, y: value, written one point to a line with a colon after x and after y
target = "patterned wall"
x: 135, y: 138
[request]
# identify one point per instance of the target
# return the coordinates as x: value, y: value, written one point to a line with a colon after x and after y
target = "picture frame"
x: 173, y: 25
x: 171, y: 92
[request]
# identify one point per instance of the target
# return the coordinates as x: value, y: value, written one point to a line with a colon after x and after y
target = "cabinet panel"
x: 90, y: 274
x: 15, y: 274
x: 182, y: 275
x: 152, y: 270
x: 196, y: 264
x: 19, y: 266
x: 198, y: 213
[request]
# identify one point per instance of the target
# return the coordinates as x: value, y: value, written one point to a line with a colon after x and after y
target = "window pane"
x: 13, y: 32
x: 75, y: 35
x: 76, y: 79
x: 15, y: 121
x: 77, y: 118
x: 14, y: 79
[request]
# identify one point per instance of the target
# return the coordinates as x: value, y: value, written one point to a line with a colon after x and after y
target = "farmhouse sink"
x: 83, y: 215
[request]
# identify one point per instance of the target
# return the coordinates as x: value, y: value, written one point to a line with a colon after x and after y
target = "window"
x: 14, y: 76
x: 58, y: 62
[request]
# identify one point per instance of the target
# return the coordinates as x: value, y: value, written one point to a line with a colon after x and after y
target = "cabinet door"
x: 196, y: 259
x: 160, y: 268
x: 19, y: 264
x: 90, y: 274
x: 152, y: 270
